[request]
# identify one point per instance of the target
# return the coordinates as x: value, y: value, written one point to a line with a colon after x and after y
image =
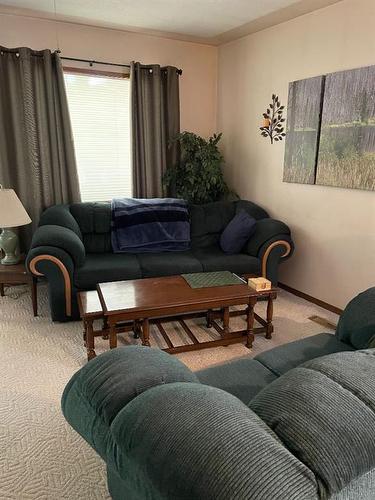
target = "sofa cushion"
x: 208, y: 222
x: 214, y: 259
x: 285, y: 357
x: 59, y: 215
x: 324, y: 412
x: 97, y: 392
x: 251, y: 208
x: 94, y: 220
x: 168, y: 263
x: 243, y: 378
x: 237, y: 232
x: 102, y: 267
x: 265, y: 231
x: 357, y: 323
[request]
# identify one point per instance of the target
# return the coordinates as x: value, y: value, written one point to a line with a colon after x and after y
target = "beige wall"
x: 334, y: 229
x: 199, y: 62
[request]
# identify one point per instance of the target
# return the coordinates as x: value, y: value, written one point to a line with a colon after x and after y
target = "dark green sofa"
x: 72, y: 248
x: 168, y: 433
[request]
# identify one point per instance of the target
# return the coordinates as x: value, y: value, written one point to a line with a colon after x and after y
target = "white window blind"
x: 100, y: 115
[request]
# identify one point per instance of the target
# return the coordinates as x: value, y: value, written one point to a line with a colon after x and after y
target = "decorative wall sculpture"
x: 331, y: 130
x: 273, y: 121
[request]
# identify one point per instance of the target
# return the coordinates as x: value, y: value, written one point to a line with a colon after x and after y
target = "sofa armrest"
x: 58, y: 268
x: 60, y: 237
x: 271, y: 242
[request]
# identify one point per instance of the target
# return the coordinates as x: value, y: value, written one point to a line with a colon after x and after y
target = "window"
x: 99, y: 112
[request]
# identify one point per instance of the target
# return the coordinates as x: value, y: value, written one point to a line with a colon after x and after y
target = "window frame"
x: 97, y: 73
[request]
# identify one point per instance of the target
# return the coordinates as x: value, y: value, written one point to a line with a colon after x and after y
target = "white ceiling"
x: 197, y: 18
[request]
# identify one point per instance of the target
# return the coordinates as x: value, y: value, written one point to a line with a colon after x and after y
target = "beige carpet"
x: 41, y: 457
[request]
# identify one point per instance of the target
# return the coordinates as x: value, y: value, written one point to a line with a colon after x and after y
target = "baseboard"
x: 314, y: 300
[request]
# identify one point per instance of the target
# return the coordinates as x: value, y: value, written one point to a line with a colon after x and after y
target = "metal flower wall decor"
x: 273, y: 120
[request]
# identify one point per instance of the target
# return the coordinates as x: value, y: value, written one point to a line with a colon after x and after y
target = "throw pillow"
x: 237, y: 232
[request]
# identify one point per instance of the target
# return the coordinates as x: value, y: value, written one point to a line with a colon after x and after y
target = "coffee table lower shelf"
x: 90, y: 310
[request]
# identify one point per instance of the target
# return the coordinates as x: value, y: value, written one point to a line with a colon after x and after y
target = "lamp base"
x: 9, y: 243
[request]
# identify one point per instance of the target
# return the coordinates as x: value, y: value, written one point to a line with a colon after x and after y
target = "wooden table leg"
x: 137, y: 329
x: 269, y: 327
x: 146, y: 332
x: 105, y: 328
x: 250, y: 322
x: 2, y: 290
x: 209, y: 319
x: 90, y: 339
x: 226, y: 321
x: 112, y: 335
x: 34, y: 295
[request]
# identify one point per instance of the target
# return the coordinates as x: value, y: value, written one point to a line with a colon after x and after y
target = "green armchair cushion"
x: 60, y: 237
x: 243, y: 378
x: 192, y: 441
x: 321, y: 410
x: 357, y: 323
x: 285, y: 357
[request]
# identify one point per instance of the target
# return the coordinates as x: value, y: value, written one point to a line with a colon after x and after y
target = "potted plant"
x: 198, y: 176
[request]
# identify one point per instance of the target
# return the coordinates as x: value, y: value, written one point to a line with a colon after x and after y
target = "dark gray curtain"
x: 36, y: 146
x: 155, y: 123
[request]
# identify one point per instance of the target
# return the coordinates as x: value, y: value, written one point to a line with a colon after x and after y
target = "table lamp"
x: 12, y: 214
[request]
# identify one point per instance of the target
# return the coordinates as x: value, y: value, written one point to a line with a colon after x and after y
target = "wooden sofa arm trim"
x: 283, y: 243
x: 64, y: 271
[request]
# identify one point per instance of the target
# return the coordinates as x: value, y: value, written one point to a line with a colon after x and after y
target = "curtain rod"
x: 90, y: 62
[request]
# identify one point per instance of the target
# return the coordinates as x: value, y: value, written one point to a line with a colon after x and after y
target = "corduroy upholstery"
x: 287, y: 356
x: 357, y: 323
x: 324, y: 411
x: 243, y: 378
x: 96, y: 394
x: 355, y: 330
x: 164, y: 435
x: 83, y: 232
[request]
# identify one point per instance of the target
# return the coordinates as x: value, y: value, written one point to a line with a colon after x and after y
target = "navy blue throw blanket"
x: 150, y: 225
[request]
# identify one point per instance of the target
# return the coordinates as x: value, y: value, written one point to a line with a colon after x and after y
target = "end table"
x: 17, y: 275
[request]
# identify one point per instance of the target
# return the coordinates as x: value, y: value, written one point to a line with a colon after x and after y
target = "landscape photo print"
x: 331, y: 130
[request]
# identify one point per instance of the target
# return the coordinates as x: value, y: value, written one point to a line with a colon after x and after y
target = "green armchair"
x: 236, y: 431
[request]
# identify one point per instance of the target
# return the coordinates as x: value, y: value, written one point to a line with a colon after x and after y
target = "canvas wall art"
x: 331, y: 130
x: 304, y: 103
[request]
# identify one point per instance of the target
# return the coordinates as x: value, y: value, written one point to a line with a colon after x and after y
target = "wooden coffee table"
x: 160, y: 300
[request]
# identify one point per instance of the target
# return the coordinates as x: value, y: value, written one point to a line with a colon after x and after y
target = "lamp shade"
x: 12, y: 213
